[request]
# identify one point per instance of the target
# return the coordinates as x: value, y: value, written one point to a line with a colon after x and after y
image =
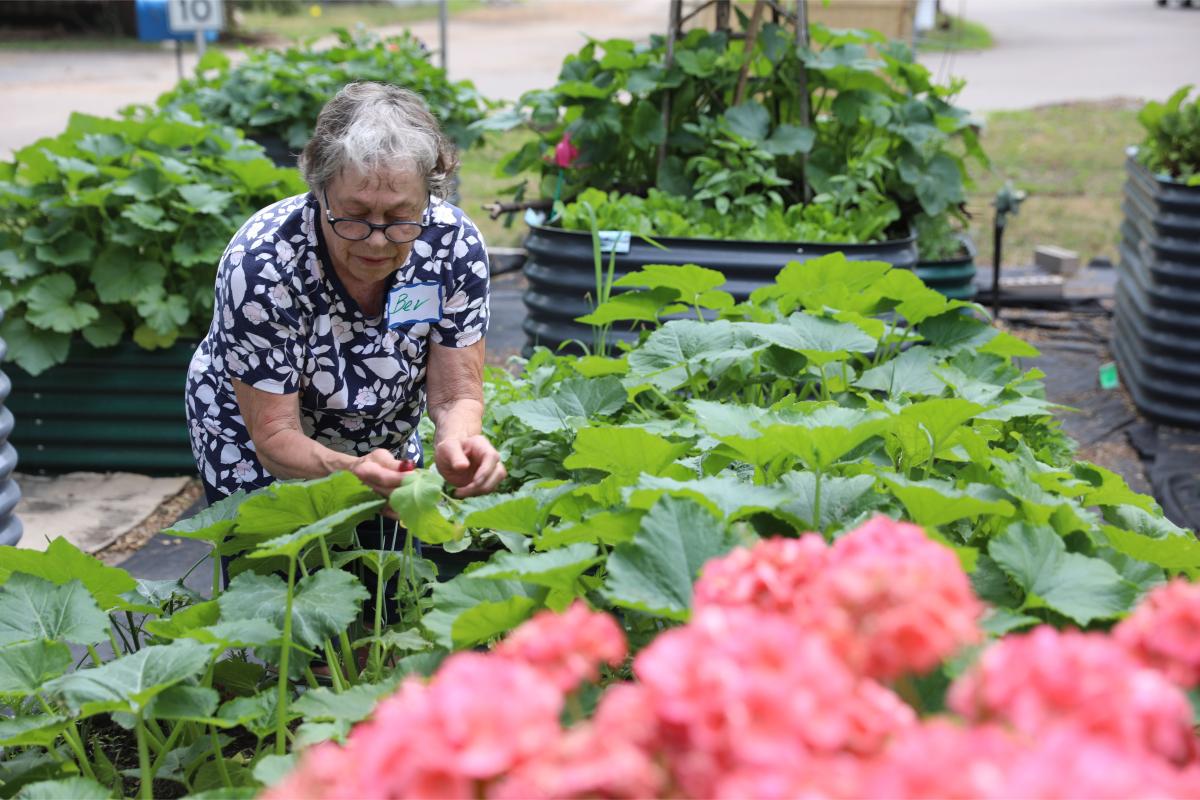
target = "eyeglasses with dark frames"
x: 399, y: 232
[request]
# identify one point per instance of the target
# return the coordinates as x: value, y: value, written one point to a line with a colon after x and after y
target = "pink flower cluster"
x: 568, y: 648
x: 775, y: 689
x: 1164, y: 632
x: 889, y: 600
x: 1040, y: 682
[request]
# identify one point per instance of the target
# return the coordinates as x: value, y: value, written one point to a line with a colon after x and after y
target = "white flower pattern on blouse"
x: 283, y: 323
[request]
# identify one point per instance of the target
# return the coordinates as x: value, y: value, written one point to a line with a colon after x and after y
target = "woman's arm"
x: 283, y: 449
x: 464, y: 457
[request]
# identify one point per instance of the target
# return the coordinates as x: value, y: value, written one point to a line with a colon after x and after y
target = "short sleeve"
x: 258, y: 322
x: 466, y: 306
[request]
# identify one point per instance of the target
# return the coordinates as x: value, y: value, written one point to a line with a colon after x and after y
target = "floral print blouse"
x: 283, y: 323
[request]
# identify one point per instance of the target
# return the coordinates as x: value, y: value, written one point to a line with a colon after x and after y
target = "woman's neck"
x: 368, y: 295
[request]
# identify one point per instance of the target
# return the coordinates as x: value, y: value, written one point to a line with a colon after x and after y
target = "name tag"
x: 412, y: 303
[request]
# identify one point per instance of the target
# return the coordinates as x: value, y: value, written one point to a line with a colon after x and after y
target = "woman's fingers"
x: 488, y: 475
x: 380, y: 470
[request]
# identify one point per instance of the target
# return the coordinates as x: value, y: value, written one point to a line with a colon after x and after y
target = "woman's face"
x: 379, y: 197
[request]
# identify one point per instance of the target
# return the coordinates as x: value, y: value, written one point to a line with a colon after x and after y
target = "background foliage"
x: 279, y: 93
x: 114, y: 228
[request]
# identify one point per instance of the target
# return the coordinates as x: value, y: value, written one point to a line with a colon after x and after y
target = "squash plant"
x: 114, y: 229
x: 279, y: 93
x: 843, y: 390
x: 179, y: 694
x: 883, y: 145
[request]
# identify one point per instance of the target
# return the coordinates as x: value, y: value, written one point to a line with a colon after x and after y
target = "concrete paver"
x: 89, y: 509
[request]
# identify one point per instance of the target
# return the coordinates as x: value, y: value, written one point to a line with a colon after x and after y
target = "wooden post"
x: 748, y: 53
x: 722, y: 15
x: 805, y: 113
x: 674, y: 22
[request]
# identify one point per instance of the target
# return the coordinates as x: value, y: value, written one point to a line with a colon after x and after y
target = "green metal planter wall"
x: 119, y: 408
x: 953, y: 277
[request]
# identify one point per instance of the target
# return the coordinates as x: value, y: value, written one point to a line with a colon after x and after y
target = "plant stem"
x: 132, y: 631
x: 146, y: 789
x: 216, y: 584
x: 348, y: 659
x: 73, y: 739
x: 817, y: 503
x: 335, y: 671
x: 112, y: 638
x: 376, y: 660
x: 95, y: 656
x: 167, y: 746
x: 219, y: 757
x: 281, y: 706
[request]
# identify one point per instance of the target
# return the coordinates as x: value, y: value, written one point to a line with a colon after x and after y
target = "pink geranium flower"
x: 775, y: 575
x: 567, y: 648
x: 1049, y: 679
x: 888, y: 598
x: 1164, y: 631
x: 895, y: 601
x: 476, y: 720
x: 737, y: 689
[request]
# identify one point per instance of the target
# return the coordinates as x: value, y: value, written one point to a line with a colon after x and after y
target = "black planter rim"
x: 833, y: 247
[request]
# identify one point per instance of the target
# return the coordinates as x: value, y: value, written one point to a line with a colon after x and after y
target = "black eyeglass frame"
x: 372, y: 226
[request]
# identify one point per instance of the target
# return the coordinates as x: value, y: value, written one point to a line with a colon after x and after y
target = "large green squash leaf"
x: 61, y: 563
x: 25, y: 667
x: 324, y: 604
x: 468, y: 611
x: 1075, y: 585
x: 35, y: 608
x: 129, y: 683
x: 623, y: 452
x: 654, y: 572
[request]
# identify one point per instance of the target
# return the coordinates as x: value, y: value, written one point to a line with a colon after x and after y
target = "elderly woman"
x: 343, y: 313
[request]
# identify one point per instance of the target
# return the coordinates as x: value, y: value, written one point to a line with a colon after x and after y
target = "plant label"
x: 614, y: 241
x: 410, y: 303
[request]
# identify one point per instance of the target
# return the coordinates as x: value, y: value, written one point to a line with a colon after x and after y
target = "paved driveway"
x: 1054, y: 51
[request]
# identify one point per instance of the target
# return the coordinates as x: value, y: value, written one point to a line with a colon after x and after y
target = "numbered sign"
x: 185, y: 16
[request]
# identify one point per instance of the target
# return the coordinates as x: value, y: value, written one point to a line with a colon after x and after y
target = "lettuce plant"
x: 1172, y: 143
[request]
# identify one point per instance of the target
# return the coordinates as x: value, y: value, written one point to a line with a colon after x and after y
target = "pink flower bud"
x: 565, y: 153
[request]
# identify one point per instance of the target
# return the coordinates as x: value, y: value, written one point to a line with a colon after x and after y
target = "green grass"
x: 1070, y: 159
x: 303, y: 24
x: 955, y: 33
x: 479, y: 184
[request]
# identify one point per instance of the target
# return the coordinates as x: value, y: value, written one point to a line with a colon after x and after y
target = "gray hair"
x: 371, y: 125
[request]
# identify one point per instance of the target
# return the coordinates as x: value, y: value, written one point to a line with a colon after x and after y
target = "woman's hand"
x: 381, y: 470
x: 469, y: 463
